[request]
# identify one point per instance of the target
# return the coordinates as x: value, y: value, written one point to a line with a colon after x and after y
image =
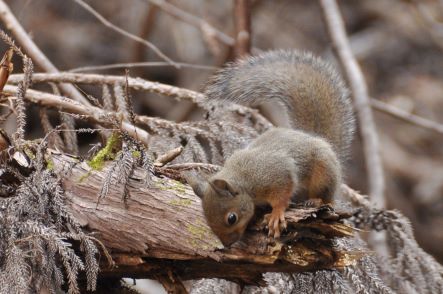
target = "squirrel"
x: 282, y: 162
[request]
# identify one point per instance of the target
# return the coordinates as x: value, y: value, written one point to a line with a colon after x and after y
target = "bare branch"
x: 146, y: 28
x: 140, y: 85
x: 242, y: 19
x: 93, y: 113
x: 141, y: 64
x: 121, y: 31
x: 192, y: 20
x: 134, y: 83
x: 354, y: 75
x: 407, y: 117
x: 54, y: 139
x: 6, y: 67
x: 180, y: 93
x: 168, y: 156
x: 68, y: 123
x: 108, y: 102
x: 37, y: 56
x: 435, y: 28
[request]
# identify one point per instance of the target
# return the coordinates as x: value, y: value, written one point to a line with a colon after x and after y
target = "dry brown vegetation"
x: 117, y: 82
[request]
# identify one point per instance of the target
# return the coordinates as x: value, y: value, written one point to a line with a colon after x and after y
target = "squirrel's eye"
x: 232, y: 218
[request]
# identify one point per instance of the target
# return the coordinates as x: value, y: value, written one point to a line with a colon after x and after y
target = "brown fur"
x: 281, y: 161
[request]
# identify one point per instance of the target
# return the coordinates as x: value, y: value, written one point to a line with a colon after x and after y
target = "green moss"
x: 84, y: 177
x: 200, y: 232
x: 181, y: 202
x: 106, y: 153
x: 174, y: 185
x: 177, y: 186
x: 136, y: 154
x: 160, y: 184
x: 50, y: 164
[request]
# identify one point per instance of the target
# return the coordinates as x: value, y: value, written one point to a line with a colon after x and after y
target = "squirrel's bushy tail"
x: 313, y: 93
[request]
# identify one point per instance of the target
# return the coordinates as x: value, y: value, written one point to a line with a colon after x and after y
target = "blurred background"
x: 399, y: 45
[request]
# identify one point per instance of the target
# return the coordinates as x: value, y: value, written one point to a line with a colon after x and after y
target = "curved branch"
x: 37, y: 56
x: 91, y: 113
x: 140, y: 85
x: 354, y: 75
x: 141, y: 64
x: 121, y: 31
x: 407, y: 117
x: 192, y: 20
x: 134, y: 83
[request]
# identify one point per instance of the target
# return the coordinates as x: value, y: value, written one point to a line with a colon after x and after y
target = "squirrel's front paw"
x: 276, y: 222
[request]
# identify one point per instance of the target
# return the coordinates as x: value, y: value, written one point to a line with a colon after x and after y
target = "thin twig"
x: 208, y: 30
x: 28, y: 68
x: 121, y: 31
x: 192, y: 20
x: 94, y: 114
x: 354, y: 75
x: 242, y: 20
x: 53, y: 138
x: 134, y: 83
x: 146, y: 28
x: 435, y: 28
x: 128, y: 100
x: 168, y: 156
x: 406, y: 116
x: 141, y: 64
x: 67, y: 122
x: 139, y: 85
x: 37, y: 56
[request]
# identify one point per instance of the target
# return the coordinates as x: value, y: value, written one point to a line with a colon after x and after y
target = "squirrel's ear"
x: 222, y: 187
x: 197, y: 184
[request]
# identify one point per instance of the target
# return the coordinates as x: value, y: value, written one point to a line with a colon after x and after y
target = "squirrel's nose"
x: 227, y: 243
x: 228, y: 240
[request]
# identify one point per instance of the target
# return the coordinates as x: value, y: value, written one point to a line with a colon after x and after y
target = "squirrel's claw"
x: 276, y: 222
x: 283, y: 224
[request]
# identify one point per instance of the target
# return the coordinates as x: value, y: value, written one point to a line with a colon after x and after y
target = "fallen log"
x: 160, y: 231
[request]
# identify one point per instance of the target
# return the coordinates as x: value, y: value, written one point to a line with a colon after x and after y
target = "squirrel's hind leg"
x: 324, y: 180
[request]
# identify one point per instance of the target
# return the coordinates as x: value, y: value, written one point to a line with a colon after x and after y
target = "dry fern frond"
x: 409, y: 266
x: 120, y: 101
x: 20, y: 102
x: 23, y: 85
x: 54, y: 139
x: 363, y: 277
x: 204, y: 141
x: 128, y: 99
x: 108, y: 103
x: 124, y: 162
x: 35, y: 228
x: 70, y: 138
x: 67, y: 123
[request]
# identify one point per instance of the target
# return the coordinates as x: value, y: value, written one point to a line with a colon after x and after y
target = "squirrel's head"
x: 227, y: 209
